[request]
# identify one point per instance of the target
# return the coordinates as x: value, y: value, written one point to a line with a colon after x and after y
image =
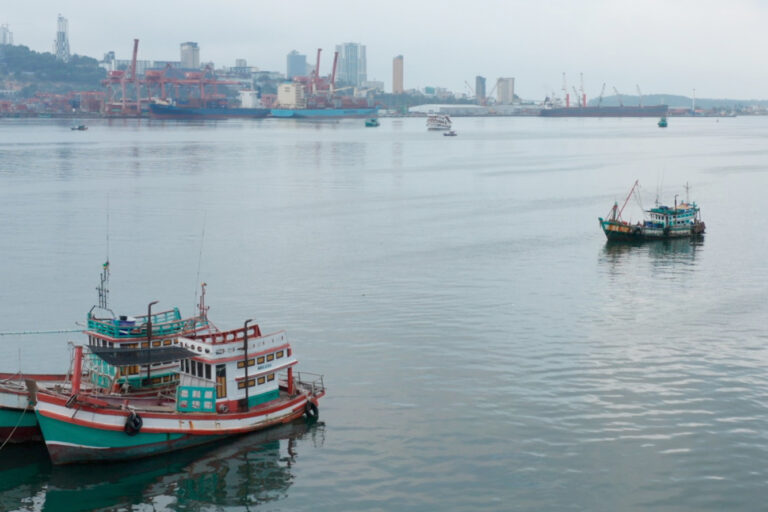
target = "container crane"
x: 576, y: 96
x: 616, y: 91
x: 316, y: 76
x: 583, y: 94
x: 333, y: 71
x: 600, y: 98
x: 565, y: 91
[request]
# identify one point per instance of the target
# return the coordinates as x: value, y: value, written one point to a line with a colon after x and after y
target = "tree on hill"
x: 42, y: 72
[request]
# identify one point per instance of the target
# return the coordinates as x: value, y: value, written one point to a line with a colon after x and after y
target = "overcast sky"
x: 664, y: 46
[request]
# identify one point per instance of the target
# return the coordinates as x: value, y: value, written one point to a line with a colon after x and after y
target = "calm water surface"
x: 484, y: 348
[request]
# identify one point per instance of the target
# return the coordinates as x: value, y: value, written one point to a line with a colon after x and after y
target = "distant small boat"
x: 80, y: 127
x: 450, y: 133
x: 660, y: 222
x: 372, y: 122
x: 663, y: 122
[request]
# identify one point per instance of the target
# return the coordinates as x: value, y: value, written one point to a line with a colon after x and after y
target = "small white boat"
x: 438, y: 122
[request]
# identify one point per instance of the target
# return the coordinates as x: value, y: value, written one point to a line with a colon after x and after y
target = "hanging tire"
x: 311, y: 411
x: 133, y: 424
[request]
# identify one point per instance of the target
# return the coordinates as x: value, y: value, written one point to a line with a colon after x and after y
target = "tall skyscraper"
x: 6, y: 36
x: 61, y: 44
x: 397, y: 75
x: 480, y: 89
x: 352, y: 65
x: 505, y: 91
x: 295, y: 65
x: 190, y: 55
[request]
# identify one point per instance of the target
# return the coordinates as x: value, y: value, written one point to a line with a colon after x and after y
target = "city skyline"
x: 661, y: 47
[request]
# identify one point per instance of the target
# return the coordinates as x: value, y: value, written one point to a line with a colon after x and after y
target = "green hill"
x: 31, y: 72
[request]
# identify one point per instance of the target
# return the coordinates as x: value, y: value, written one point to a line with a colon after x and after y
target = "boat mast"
x: 631, y: 191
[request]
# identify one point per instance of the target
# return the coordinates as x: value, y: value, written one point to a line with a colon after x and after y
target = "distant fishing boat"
x: 663, y: 122
x: 660, y: 222
x: 80, y: 128
x: 372, y: 122
x: 450, y: 133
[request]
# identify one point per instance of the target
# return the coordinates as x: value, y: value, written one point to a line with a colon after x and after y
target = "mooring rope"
x: 21, y: 417
x: 24, y: 333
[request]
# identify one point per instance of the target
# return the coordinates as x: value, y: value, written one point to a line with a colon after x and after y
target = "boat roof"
x: 681, y: 207
x: 134, y: 356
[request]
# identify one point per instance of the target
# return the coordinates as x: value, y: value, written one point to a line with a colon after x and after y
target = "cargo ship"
x: 318, y: 97
x: 210, y: 108
x: 621, y: 111
x: 320, y: 113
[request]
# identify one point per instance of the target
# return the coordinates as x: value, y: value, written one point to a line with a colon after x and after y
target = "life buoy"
x: 312, y: 412
x: 133, y: 424
x: 223, y: 409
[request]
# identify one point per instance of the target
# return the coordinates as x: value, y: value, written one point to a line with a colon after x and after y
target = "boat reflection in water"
x: 246, y: 471
x: 672, y: 255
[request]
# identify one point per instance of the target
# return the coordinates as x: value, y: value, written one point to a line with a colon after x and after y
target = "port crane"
x: 600, y: 98
x: 616, y: 91
x: 639, y: 96
x: 583, y: 94
x: 565, y: 91
x: 576, y: 96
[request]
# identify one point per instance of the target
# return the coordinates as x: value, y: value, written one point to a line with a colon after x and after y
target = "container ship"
x: 210, y: 109
x: 317, y: 97
x: 621, y: 111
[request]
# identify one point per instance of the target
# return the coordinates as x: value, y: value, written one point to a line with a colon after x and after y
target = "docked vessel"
x: 212, y: 111
x: 322, y: 113
x: 230, y: 383
x: 620, y: 111
x: 438, y: 122
x: 104, y: 331
x: 660, y: 222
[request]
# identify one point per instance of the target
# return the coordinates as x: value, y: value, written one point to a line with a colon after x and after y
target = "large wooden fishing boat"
x: 229, y: 383
x: 18, y: 422
x: 661, y: 222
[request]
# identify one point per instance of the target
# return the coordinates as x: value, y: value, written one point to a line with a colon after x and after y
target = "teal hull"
x: 70, y: 443
x: 19, y: 426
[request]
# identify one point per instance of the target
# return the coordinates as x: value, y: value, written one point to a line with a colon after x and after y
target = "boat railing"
x: 124, y: 328
x: 217, y: 338
x: 311, y: 382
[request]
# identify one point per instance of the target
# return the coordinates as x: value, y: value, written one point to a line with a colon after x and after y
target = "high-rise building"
x: 190, y: 55
x: 505, y: 91
x: 61, y: 44
x: 352, y: 65
x: 480, y: 89
x: 296, y: 65
x: 6, y: 36
x: 397, y: 75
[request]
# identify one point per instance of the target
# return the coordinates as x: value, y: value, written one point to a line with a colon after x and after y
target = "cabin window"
x: 241, y: 384
x: 221, y: 380
x: 145, y: 344
x: 166, y: 343
x: 271, y: 357
x: 270, y: 377
x: 260, y: 360
x: 156, y: 343
x: 241, y: 364
x: 199, y: 369
x: 261, y: 380
x: 193, y: 368
x: 208, y: 372
x: 131, y: 345
x: 279, y: 354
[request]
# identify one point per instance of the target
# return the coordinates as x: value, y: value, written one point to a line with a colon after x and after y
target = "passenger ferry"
x: 438, y: 122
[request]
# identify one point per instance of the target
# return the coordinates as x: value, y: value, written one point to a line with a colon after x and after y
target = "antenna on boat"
x: 200, y: 263
x: 687, y: 189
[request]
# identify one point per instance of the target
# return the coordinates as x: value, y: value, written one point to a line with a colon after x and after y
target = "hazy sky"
x: 664, y: 46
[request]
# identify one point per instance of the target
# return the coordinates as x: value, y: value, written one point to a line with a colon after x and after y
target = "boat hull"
x: 650, y: 111
x: 84, y: 433
x: 158, y: 111
x: 622, y: 232
x: 320, y: 113
x: 18, y: 423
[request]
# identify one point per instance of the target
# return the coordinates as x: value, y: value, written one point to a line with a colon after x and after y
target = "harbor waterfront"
x: 483, y: 345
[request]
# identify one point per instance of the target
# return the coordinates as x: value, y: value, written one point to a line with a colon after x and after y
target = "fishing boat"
x: 450, y: 133
x: 229, y: 383
x: 80, y: 128
x: 438, y: 122
x: 104, y: 329
x: 372, y: 122
x: 660, y: 222
x: 663, y: 122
